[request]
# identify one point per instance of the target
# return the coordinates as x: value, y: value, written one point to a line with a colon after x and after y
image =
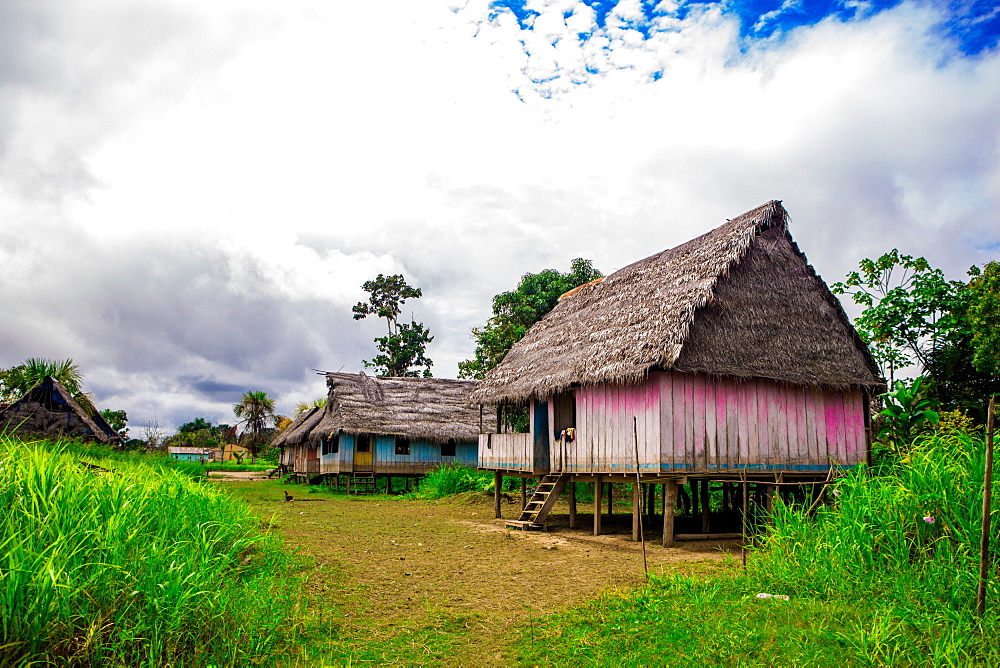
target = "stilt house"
x: 49, y: 410
x: 384, y: 427
x: 725, y: 358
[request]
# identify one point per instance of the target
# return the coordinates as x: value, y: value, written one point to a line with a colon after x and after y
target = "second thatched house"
x: 384, y: 427
x: 724, y: 359
x: 49, y: 410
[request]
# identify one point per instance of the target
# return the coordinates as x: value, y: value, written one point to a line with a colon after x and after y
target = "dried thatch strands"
x: 430, y: 409
x: 297, y: 433
x: 740, y: 301
x: 48, y: 409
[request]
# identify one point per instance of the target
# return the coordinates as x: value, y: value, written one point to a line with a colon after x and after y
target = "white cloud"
x: 193, y: 195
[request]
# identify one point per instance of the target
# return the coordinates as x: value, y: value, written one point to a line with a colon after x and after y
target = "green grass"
x: 870, y: 580
x: 139, y: 566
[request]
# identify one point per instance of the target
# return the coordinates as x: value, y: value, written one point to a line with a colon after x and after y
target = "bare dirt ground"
x: 388, y: 566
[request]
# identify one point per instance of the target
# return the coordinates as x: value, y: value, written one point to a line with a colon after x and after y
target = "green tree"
x: 254, y: 411
x: 984, y: 319
x: 16, y: 381
x: 118, y: 420
x: 405, y: 344
x: 303, y: 406
x: 911, y: 312
x: 517, y: 310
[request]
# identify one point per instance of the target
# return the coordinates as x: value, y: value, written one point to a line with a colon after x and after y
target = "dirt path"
x: 410, y: 572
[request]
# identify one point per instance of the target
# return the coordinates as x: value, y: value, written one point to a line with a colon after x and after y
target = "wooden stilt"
x: 598, y: 491
x: 769, y: 497
x: 349, y: 476
x: 669, y: 500
x: 705, y: 507
x: 572, y: 505
x: 611, y: 500
x: 684, y: 498
x: 636, y: 509
x: 524, y: 492
x: 695, y: 499
x: 497, y: 484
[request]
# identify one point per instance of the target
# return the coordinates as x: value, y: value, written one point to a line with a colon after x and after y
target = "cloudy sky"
x: 191, y: 193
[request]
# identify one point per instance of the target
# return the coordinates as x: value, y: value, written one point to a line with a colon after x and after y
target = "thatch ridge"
x: 432, y: 409
x: 298, y: 431
x: 35, y: 413
x: 640, y: 317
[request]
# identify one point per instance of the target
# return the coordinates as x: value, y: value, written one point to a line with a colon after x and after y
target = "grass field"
x: 122, y: 561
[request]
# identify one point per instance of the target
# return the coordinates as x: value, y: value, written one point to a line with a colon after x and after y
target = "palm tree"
x: 17, y: 381
x: 254, y: 410
x: 302, y: 406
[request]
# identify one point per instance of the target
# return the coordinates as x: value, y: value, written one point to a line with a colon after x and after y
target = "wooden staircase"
x: 362, y: 483
x: 541, y: 503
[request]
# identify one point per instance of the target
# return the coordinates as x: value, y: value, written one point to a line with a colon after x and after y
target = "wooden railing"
x: 307, y: 466
x: 508, y: 452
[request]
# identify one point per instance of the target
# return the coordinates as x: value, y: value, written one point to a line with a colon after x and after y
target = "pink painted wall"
x: 693, y: 422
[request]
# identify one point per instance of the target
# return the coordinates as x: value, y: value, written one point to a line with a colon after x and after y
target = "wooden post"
x: 636, y: 509
x: 669, y: 500
x: 984, y: 542
x: 497, y: 484
x: 695, y: 499
x: 524, y: 492
x: 743, y: 526
x: 706, y: 508
x: 598, y: 489
x: 769, y: 497
x: 611, y: 499
x: 349, y: 476
x: 572, y: 505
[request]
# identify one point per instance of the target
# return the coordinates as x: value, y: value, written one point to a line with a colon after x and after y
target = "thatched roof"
x: 48, y: 409
x: 740, y: 301
x: 298, y: 432
x: 433, y: 409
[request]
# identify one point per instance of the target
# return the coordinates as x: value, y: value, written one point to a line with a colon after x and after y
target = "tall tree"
x: 984, y: 318
x: 913, y: 316
x: 911, y: 312
x: 403, y: 348
x: 517, y: 310
x: 254, y: 410
x: 17, y: 380
x: 303, y: 406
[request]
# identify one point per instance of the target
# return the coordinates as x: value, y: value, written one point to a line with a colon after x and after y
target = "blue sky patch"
x: 975, y: 25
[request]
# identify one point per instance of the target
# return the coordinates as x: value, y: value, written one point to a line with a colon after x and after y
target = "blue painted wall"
x: 423, y: 456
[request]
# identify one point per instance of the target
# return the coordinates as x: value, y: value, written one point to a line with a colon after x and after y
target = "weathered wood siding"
x: 694, y: 422
x: 423, y: 456
x: 506, y: 452
x: 341, y: 461
x: 757, y: 424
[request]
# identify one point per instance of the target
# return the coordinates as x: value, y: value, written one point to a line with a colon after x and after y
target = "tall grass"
x: 885, y: 574
x: 450, y: 479
x: 906, y: 541
x: 139, y: 566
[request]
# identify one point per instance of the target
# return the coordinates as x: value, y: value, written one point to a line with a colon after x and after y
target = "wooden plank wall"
x: 506, y: 452
x: 710, y: 424
x: 694, y: 422
x: 423, y: 456
x: 606, y: 430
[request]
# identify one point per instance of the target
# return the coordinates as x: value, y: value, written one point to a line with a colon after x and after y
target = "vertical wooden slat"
x: 697, y: 396
x: 819, y: 397
x: 742, y: 424
x: 711, y: 428
x: 667, y: 457
x: 750, y: 419
x: 682, y: 418
x: 763, y: 423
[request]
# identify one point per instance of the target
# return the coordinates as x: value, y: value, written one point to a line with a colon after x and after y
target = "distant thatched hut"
x: 49, y: 410
x: 373, y: 427
x: 725, y: 358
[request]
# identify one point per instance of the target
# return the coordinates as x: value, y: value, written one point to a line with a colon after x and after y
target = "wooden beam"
x: 497, y: 484
x: 636, y: 509
x: 572, y: 505
x: 611, y: 500
x: 524, y: 492
x: 707, y: 536
x: 705, y: 507
x: 669, y: 500
x: 598, y: 490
